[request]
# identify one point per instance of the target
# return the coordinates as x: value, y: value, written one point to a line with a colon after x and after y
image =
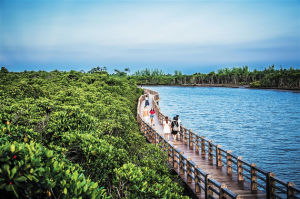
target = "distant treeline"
x: 267, y: 78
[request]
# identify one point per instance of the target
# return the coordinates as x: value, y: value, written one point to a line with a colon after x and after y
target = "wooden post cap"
x: 223, y: 186
x: 240, y: 157
x: 253, y: 165
x: 210, y: 141
x: 181, y: 152
x: 290, y: 184
x: 202, y: 137
x: 229, y: 151
x: 271, y: 174
x: 218, y: 146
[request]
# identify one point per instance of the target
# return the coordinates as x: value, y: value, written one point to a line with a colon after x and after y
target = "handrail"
x: 258, y: 178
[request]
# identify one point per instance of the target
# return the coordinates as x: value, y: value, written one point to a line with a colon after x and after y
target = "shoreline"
x: 223, y: 86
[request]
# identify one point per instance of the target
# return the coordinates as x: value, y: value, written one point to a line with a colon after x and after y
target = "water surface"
x: 263, y: 126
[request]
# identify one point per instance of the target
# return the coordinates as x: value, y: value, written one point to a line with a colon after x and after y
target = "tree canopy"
x: 75, y: 135
x: 267, y: 78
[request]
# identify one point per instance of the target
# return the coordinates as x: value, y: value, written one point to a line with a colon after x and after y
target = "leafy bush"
x: 44, y: 173
x: 67, y: 119
x: 142, y: 182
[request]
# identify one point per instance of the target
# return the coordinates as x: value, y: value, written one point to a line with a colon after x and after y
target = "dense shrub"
x: 68, y: 125
x: 31, y: 170
x: 142, y: 182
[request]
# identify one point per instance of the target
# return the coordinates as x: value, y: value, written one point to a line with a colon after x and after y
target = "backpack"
x: 175, y: 125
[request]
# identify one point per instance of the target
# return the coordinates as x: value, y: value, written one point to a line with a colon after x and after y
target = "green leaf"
x: 94, y: 185
x: 65, y: 191
x: 21, y: 179
x: 6, y: 168
x: 12, y: 148
x: 13, y: 188
x: 13, y: 172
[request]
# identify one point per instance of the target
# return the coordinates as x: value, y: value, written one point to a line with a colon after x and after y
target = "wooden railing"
x: 258, y: 178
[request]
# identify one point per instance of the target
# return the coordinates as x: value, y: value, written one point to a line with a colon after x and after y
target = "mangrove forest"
x: 242, y: 76
x: 75, y: 135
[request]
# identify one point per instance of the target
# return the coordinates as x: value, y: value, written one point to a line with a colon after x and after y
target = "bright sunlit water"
x: 263, y: 126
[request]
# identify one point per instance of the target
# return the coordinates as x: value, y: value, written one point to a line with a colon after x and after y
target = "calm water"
x: 263, y: 126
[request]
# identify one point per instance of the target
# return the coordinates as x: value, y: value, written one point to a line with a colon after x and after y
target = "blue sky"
x: 191, y: 36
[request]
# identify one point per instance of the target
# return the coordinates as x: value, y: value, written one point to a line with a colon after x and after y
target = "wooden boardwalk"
x: 206, y: 168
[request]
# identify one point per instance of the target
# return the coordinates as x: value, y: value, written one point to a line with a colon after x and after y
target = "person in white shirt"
x: 166, y: 128
x: 146, y: 114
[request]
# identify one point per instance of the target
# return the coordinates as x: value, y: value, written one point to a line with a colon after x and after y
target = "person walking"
x: 152, y: 113
x: 147, y: 101
x: 146, y: 114
x: 166, y: 128
x: 175, y: 128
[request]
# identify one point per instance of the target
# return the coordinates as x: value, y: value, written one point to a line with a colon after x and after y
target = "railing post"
x: 253, y: 178
x: 240, y: 169
x: 181, y: 171
x: 155, y: 138
x: 147, y: 132
x: 181, y: 135
x: 222, y: 193
x: 159, y: 139
x: 175, y: 164
x: 197, y: 143
x: 218, y: 156
x: 270, y: 186
x: 210, y: 155
x: 191, y: 144
x: 171, y: 153
x: 208, y: 191
x: 229, y: 162
x: 290, y: 191
x: 188, y: 169
x: 197, y: 173
x: 185, y: 136
x: 203, y: 146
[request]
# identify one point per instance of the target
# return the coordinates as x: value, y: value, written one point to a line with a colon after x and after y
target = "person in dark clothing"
x: 147, y: 101
x: 175, y: 128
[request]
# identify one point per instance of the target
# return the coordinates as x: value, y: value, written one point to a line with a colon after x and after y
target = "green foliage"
x: 144, y: 183
x: 255, y: 84
x: 87, y: 122
x: 268, y: 78
x: 43, y: 173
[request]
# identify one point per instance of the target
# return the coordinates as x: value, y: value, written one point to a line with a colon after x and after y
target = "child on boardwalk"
x: 152, y: 113
x: 166, y: 128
